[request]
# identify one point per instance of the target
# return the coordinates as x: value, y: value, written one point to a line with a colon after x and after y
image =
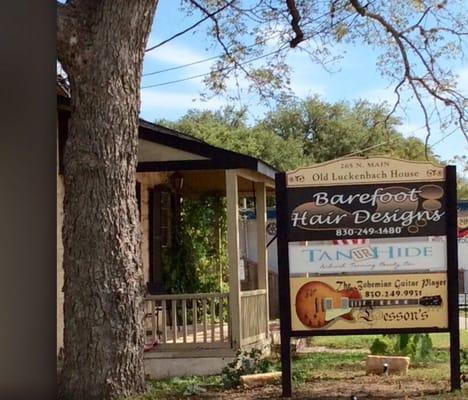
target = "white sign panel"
x: 463, y: 253
x: 369, y: 256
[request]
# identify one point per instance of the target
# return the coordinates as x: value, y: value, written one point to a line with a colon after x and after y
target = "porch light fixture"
x: 177, y: 181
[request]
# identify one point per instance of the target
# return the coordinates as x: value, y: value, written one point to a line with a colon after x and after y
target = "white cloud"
x: 168, y: 100
x: 303, y: 88
x: 177, y: 54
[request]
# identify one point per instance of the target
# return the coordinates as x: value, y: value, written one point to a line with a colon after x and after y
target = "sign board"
x: 361, y: 170
x: 370, y: 211
x: 369, y: 302
x: 367, y: 245
x: 374, y: 256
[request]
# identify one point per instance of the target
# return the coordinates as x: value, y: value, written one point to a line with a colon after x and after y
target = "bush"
x: 245, y: 363
x: 417, y: 346
x: 464, y: 361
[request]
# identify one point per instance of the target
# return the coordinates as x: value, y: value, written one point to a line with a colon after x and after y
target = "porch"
x: 199, y: 333
x: 190, y: 333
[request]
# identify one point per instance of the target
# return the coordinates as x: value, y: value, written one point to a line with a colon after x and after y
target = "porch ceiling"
x: 203, y: 182
x: 162, y: 149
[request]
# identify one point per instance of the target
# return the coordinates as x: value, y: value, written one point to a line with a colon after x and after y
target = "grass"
x: 439, y: 341
x: 178, y: 387
x: 307, y: 368
x: 304, y: 369
x: 325, y: 366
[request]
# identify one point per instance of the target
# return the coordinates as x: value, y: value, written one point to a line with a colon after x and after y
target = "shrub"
x: 417, y: 346
x: 245, y: 363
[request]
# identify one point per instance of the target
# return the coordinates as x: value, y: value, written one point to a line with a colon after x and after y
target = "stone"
x: 395, y: 365
x: 256, y: 380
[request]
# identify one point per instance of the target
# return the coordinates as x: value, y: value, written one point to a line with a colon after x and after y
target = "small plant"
x: 193, y: 389
x: 380, y: 346
x: 416, y: 346
x: 245, y: 363
x: 464, y: 361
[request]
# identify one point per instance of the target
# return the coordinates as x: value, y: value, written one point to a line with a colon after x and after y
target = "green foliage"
x: 245, y: 363
x: 304, y: 132
x: 329, y: 131
x: 464, y: 361
x: 380, y: 346
x: 228, y: 129
x: 419, y: 46
x: 462, y: 181
x: 416, y: 346
x: 197, y: 259
x: 193, y: 389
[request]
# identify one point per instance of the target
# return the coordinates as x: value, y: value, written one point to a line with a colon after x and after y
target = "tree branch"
x: 208, y: 16
x: 63, y: 33
x: 218, y: 35
x: 428, y: 81
x: 69, y: 18
x: 296, y: 17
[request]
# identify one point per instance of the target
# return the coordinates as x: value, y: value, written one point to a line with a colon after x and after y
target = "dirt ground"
x: 363, y: 387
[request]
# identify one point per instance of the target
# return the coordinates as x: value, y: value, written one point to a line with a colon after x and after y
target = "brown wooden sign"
x: 355, y: 238
x: 364, y: 170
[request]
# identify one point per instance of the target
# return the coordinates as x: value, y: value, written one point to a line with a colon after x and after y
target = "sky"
x: 354, y: 77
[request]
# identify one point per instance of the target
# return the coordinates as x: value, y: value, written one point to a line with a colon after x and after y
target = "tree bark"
x: 101, y: 46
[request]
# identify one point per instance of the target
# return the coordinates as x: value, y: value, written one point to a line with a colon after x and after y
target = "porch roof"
x: 164, y: 149
x: 191, y: 153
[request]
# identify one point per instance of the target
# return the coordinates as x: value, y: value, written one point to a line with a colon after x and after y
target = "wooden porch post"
x: 262, y: 256
x: 233, y: 257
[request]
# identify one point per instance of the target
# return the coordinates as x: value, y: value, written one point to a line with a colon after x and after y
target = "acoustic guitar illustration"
x: 318, y: 304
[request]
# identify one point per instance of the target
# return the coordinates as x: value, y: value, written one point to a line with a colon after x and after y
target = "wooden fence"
x: 187, y: 320
x: 273, y: 295
x: 253, y: 316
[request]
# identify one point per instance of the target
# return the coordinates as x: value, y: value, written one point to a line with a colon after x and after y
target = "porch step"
x: 160, y: 364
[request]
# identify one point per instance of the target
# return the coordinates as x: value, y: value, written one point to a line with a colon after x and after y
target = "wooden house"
x: 195, y: 333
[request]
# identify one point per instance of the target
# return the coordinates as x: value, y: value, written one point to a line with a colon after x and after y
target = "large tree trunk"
x: 101, y: 45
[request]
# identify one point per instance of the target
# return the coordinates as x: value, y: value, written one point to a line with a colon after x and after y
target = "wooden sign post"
x: 366, y: 246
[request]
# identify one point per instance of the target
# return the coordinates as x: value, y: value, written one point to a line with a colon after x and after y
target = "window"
x: 160, y: 216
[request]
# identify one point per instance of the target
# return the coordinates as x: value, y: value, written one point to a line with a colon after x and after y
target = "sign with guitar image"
x: 359, y: 302
x: 367, y: 245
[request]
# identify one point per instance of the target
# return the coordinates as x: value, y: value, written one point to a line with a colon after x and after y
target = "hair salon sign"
x: 325, y: 205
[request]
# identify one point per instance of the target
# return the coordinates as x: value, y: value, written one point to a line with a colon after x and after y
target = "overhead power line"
x: 443, y: 138
x: 208, y: 73
x: 211, y: 15
x: 207, y: 59
x: 223, y: 54
x: 218, y: 56
x: 182, y: 66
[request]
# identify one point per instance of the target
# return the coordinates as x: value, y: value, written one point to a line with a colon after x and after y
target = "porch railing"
x: 187, y: 320
x: 253, y: 315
